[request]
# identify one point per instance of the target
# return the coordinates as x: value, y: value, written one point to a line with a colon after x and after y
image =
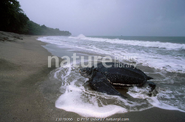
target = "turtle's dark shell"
x: 125, y: 75
x: 105, y: 76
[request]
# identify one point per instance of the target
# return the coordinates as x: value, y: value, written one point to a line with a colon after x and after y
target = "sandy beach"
x: 23, y: 70
x: 23, y: 65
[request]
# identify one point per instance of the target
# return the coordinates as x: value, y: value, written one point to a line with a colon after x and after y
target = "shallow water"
x: 164, y: 63
x: 169, y: 56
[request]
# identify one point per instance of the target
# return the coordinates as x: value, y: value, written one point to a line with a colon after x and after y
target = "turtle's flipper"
x: 148, y: 78
x: 152, y: 85
x: 103, y: 85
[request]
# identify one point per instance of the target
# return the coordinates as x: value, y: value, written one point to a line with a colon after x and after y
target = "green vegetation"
x: 13, y: 19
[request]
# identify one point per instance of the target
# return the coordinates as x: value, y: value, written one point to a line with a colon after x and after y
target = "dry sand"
x: 23, y: 67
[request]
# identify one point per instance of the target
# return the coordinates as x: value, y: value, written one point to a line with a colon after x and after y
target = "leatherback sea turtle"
x: 105, y: 79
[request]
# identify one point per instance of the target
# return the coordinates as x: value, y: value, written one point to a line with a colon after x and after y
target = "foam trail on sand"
x: 75, y: 97
x: 85, y: 109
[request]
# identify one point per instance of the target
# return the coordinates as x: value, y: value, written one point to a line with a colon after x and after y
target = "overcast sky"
x: 110, y: 17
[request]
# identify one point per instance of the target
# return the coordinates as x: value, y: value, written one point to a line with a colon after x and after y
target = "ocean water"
x: 163, y: 58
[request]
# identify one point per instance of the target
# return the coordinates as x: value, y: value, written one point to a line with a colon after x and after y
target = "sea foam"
x: 81, y: 99
x: 154, y: 44
x: 75, y: 97
x: 159, y: 55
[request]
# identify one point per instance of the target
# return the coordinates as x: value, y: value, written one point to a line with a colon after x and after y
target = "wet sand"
x: 23, y: 66
x: 23, y: 70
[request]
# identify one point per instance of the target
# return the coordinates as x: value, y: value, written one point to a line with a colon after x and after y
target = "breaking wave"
x: 159, y: 55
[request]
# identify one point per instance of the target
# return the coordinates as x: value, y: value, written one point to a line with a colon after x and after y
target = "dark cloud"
x: 110, y: 17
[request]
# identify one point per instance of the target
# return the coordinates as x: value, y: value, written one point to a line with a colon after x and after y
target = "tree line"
x: 13, y: 19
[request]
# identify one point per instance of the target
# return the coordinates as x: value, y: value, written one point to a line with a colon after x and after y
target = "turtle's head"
x: 86, y: 72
